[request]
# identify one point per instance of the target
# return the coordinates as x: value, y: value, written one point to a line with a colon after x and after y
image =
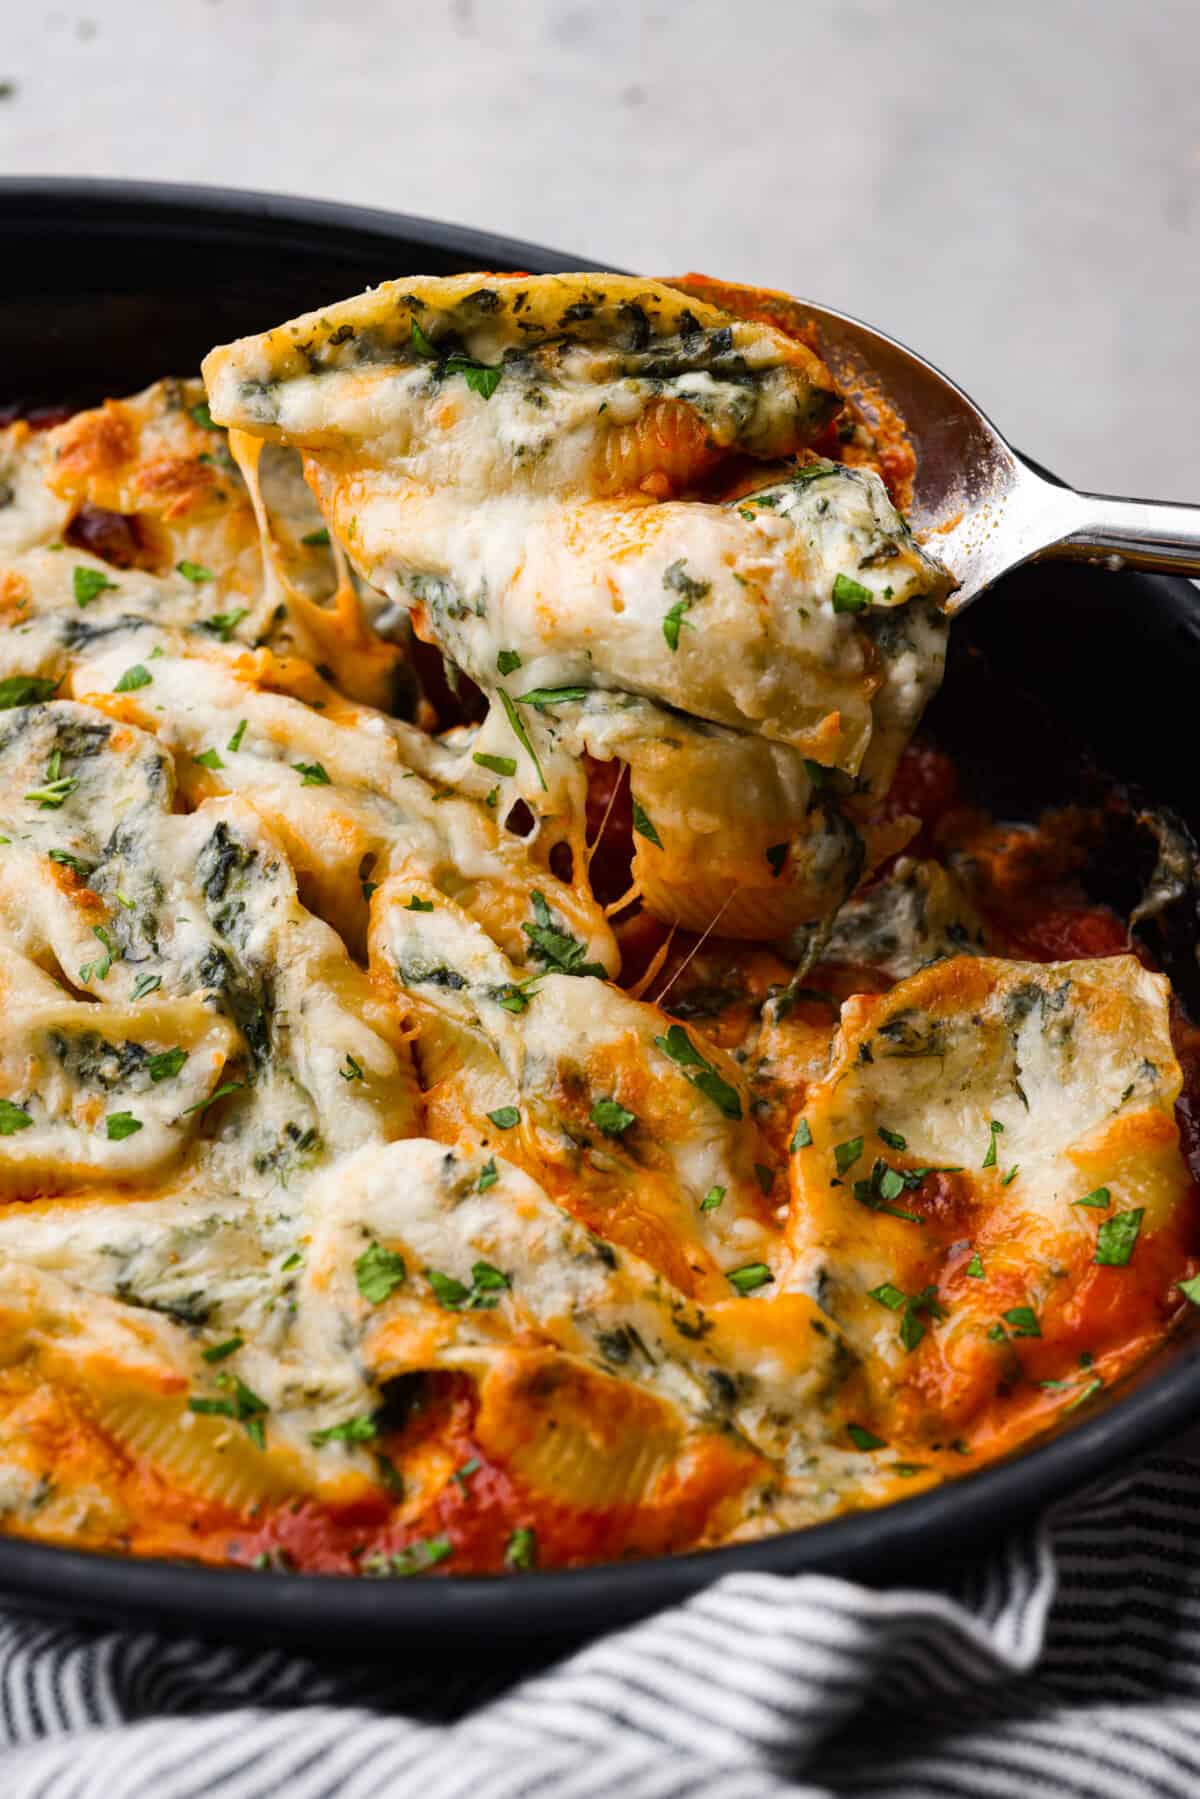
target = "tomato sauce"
x: 477, y: 1517
x: 997, y: 1387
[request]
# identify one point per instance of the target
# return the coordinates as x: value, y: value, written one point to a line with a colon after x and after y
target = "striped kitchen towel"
x: 1065, y: 1663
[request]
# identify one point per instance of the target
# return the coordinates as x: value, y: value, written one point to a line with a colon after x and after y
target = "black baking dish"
x: 108, y: 285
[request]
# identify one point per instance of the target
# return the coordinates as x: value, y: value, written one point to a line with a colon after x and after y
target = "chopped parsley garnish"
x: 610, y: 1117
x: 749, y: 1277
x: 421, y: 343
x: 849, y: 595
x: 680, y: 1048
x: 522, y: 736
x: 912, y: 1307
x: 507, y: 661
x: 98, y: 969
x: 351, y: 1070
x: 521, y: 1549
x: 1191, y: 1289
x: 418, y: 1556
x: 497, y: 765
x: 479, y: 376
x: 220, y: 1352
x: 677, y: 580
x: 378, y: 1272
x: 221, y: 1092
x: 417, y: 904
x: 488, y: 1176
x: 1097, y: 1200
x: 292, y: 1261
x: 145, y: 983
x: 13, y: 1118
x: 715, y: 1195
x: 924, y: 1304
x: 515, y: 999
x: 893, y: 1139
x: 25, y: 690
x: 316, y: 540
x: 888, y: 1296
x: 224, y: 624
x: 122, y: 1125
x: 1088, y: 1392
x: 167, y: 1064
x: 245, y: 1407
x: 885, y: 1185
x: 541, y: 697
x: 202, y: 416
x: 989, y: 1160
x: 1024, y: 1321
x: 801, y: 1137
x: 75, y: 863
x: 672, y: 620
x: 1008, y: 1179
x: 863, y: 1438
x: 55, y: 793
x: 133, y: 678
x: 195, y: 572
x: 505, y: 1117
x: 487, y: 1284
x: 314, y: 774
x: 89, y: 584
x: 351, y: 1430
x: 846, y: 1154
x: 975, y: 1267
x: 462, y: 1475
x: 235, y: 742
x: 643, y: 824
x: 1116, y: 1237
x: 209, y: 759
x: 555, y: 948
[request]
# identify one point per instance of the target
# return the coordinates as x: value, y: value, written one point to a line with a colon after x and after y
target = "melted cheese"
x: 583, y: 358
x: 501, y: 501
x: 317, y: 1089
x: 1013, y: 1091
x: 555, y: 1048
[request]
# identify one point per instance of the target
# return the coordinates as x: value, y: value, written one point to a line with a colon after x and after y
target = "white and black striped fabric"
x: 1066, y: 1663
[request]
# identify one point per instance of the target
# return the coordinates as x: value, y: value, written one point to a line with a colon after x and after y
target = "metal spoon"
x: 978, y: 505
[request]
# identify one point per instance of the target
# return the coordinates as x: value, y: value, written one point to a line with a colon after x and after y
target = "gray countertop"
x: 1015, y: 190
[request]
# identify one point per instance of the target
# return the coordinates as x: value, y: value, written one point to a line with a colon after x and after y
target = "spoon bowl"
x: 978, y: 505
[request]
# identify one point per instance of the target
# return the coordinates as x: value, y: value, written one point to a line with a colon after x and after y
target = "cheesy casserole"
x: 512, y: 1055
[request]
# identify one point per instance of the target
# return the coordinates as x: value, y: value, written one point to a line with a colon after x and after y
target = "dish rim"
x: 881, y: 1544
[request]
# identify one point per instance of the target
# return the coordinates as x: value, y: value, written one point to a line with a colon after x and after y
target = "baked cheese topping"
x: 384, y: 1185
x: 550, y: 475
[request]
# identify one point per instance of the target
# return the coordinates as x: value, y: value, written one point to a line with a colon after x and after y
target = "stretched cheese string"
x: 631, y: 893
x: 612, y: 800
x: 340, y: 633
x: 655, y: 966
x: 699, y: 943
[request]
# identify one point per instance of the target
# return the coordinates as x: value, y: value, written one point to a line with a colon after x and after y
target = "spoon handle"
x: 1150, y: 534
